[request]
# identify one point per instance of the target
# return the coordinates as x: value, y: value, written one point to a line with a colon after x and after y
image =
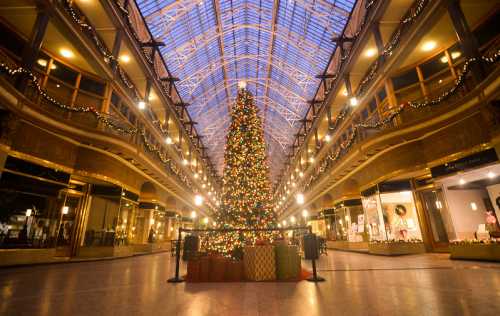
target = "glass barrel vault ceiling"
x: 277, y: 47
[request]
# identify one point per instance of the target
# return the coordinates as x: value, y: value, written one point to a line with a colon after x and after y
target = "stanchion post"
x: 315, y: 278
x: 177, y: 278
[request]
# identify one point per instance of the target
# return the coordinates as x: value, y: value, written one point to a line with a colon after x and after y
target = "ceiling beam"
x: 216, y: 7
x: 272, y: 39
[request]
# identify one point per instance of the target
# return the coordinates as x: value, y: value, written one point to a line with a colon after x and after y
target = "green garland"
x: 327, y: 162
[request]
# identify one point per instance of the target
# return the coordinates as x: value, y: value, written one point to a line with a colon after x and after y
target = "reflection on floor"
x: 356, y: 284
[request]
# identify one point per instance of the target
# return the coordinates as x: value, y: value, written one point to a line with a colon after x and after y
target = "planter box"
x: 396, y: 248
x: 105, y: 252
x: 347, y: 245
x: 11, y: 257
x: 487, y: 252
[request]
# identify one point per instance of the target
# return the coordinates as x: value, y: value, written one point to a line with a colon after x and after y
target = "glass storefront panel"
x: 102, y: 221
x: 392, y: 216
x: 340, y: 225
x: 350, y: 223
x: 374, y: 217
x: 125, y: 229
x: 28, y: 220
x: 441, y: 225
x: 473, y: 199
x: 30, y: 209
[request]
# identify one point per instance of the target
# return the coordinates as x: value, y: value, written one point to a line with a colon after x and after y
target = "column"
x: 316, y: 139
x: 116, y: 49
x: 466, y: 38
x: 348, y: 87
x: 329, y: 116
x: 378, y: 40
x: 33, y: 46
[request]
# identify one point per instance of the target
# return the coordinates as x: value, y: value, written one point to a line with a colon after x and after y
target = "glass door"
x: 67, y: 224
x: 438, y: 217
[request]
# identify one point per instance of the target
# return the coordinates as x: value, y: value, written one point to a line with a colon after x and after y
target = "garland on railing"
x: 163, y: 158
x: 101, y: 117
x: 343, y: 58
x: 4, y: 68
x: 344, y: 147
x: 407, y: 20
x: 126, y: 14
x: 108, y: 57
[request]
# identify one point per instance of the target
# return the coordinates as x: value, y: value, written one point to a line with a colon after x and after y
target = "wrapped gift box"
x: 287, y: 262
x: 204, y: 269
x: 217, y: 268
x: 193, y: 271
x: 234, y: 270
x: 259, y: 263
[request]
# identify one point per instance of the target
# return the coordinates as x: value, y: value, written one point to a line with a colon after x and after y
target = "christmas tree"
x: 246, y: 192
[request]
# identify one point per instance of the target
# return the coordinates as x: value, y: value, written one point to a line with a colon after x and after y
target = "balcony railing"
x: 55, y: 89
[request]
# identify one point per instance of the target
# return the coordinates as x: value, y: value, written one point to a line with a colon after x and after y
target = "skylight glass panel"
x: 211, y: 45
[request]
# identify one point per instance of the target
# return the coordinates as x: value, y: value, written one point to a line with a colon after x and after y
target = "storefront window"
x: 68, y: 220
x: 473, y: 199
x: 160, y: 226
x: 28, y: 220
x: 392, y: 216
x: 102, y: 221
x: 340, y: 224
x: 30, y: 209
x: 125, y: 229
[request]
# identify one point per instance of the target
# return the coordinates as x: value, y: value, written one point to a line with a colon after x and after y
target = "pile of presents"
x: 260, y: 263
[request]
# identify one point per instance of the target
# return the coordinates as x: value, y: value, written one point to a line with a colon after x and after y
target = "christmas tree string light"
x: 246, y: 201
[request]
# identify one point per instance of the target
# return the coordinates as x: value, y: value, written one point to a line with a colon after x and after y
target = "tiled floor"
x: 356, y: 284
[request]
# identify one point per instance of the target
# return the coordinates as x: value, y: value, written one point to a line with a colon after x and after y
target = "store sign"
x: 351, y: 202
x: 394, y: 186
x: 469, y: 162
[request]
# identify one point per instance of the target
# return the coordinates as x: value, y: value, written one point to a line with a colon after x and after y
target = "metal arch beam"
x: 185, y: 51
x: 269, y: 54
x: 299, y: 77
x: 172, y: 13
x: 279, y: 134
x: 286, y: 93
x: 221, y: 41
x: 219, y: 123
x: 288, y: 114
x: 310, y: 7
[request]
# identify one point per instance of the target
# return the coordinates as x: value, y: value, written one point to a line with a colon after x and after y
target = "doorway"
x: 438, y: 218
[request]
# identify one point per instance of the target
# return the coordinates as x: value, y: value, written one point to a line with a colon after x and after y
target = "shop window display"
x: 350, y: 223
x: 391, y: 216
x: 473, y: 199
